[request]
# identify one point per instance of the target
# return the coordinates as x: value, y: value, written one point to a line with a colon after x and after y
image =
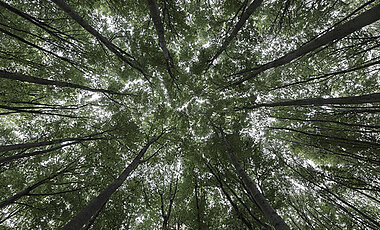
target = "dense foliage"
x: 179, y: 114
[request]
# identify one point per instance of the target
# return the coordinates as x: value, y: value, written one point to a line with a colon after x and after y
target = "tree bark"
x: 42, y: 81
x: 6, y: 148
x: 233, y: 204
x: 155, y: 14
x: 26, y: 191
x: 268, y: 211
x: 335, y: 138
x: 324, y: 188
x: 368, y: 98
x: 39, y: 152
x: 199, y: 221
x: 364, y: 19
x: 98, y: 202
x: 113, y: 48
x: 243, y: 19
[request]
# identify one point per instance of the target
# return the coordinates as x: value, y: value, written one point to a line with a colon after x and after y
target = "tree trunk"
x: 240, y: 215
x: 368, y: 98
x: 364, y: 19
x: 155, y: 14
x: 98, y: 202
x: 6, y: 148
x: 243, y: 19
x: 26, y: 191
x: 39, y: 152
x: 269, y: 213
x: 41, y: 81
x: 113, y: 48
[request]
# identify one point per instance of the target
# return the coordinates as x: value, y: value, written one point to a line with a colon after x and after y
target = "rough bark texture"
x: 98, y: 202
x: 41, y: 81
x: 368, y: 98
x: 364, y: 19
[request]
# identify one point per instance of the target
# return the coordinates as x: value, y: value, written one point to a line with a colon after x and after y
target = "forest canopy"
x: 180, y: 114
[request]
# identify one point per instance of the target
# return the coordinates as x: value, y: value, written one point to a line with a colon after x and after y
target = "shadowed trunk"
x: 26, y: 191
x: 268, y: 211
x: 42, y: 81
x: 6, y: 148
x: 368, y: 98
x: 243, y: 19
x: 113, y: 48
x: 98, y: 202
x: 364, y: 19
x: 155, y: 14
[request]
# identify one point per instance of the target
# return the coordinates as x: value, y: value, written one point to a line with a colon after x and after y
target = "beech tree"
x: 164, y: 114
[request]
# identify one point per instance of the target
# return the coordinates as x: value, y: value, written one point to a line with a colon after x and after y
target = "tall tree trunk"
x: 6, y: 148
x: 26, y: 191
x: 243, y: 19
x: 240, y: 215
x: 364, y: 19
x: 113, y: 48
x: 39, y: 152
x: 268, y: 211
x: 368, y: 98
x: 155, y: 14
x: 199, y: 221
x: 98, y: 202
x: 42, y: 81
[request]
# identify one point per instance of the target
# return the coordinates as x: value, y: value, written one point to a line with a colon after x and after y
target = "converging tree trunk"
x: 267, y: 210
x: 366, y: 18
x: 155, y: 14
x: 362, y: 99
x: 6, y: 148
x: 98, y: 202
x: 42, y: 81
x: 26, y: 191
x: 243, y: 19
x: 113, y: 48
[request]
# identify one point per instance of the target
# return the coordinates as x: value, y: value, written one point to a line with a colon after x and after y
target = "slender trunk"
x: 42, y: 81
x: 325, y: 189
x: 39, y: 152
x: 303, y: 216
x: 18, y: 110
x: 243, y: 19
x: 52, y: 31
x: 345, y: 154
x: 342, y: 139
x: 364, y: 19
x: 155, y: 14
x: 233, y: 204
x: 38, y: 47
x: 26, y: 191
x: 6, y: 148
x: 268, y: 211
x: 199, y: 221
x: 113, y: 48
x: 329, y: 75
x: 367, y: 98
x: 329, y: 121
x: 98, y: 202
